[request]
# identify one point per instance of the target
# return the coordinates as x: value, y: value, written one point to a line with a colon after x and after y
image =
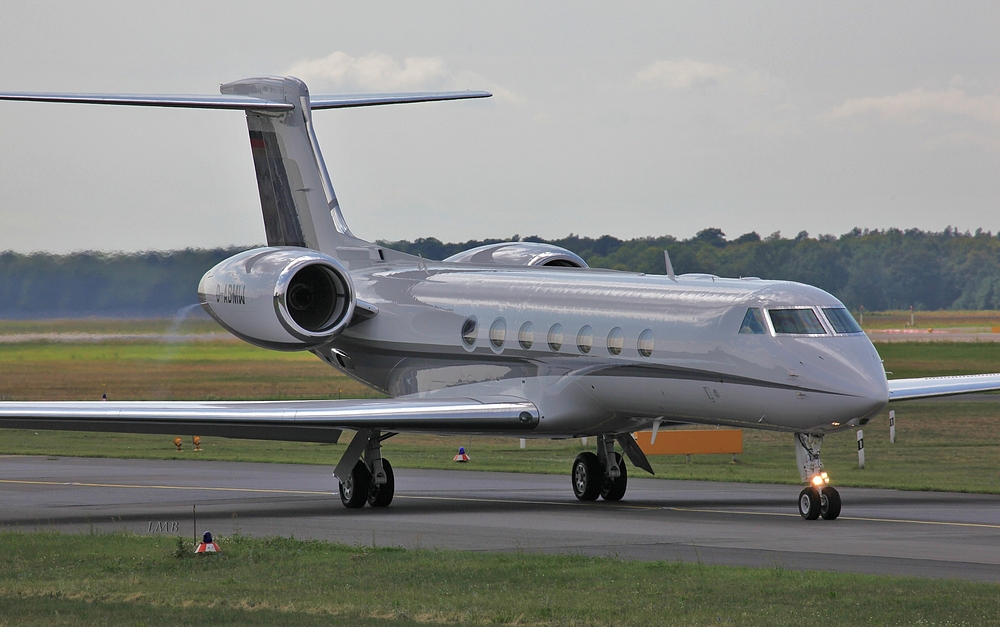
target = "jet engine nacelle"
x: 520, y: 254
x: 280, y: 298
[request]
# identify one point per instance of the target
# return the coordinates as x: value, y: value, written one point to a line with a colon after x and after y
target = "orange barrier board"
x: 698, y: 442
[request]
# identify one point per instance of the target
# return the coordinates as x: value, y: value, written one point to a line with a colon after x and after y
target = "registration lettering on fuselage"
x: 231, y: 294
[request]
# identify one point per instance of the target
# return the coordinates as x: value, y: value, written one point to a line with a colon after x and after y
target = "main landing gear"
x: 604, y: 474
x: 365, y: 477
x: 818, y: 498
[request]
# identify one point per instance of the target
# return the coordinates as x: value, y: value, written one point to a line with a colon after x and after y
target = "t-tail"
x: 297, y: 198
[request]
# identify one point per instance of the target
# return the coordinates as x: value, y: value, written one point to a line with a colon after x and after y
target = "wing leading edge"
x: 303, y: 421
x: 928, y: 387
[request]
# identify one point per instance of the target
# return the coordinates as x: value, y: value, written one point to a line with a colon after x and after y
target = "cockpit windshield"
x: 753, y: 322
x: 796, y: 322
x: 841, y: 320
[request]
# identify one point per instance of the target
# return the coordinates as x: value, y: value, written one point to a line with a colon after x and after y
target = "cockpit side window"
x: 753, y: 322
x: 841, y: 320
x: 796, y: 322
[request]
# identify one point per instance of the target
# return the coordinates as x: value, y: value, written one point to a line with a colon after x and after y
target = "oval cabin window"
x: 616, y: 341
x: 498, y: 333
x: 469, y: 331
x: 585, y: 339
x: 645, y: 344
x: 526, y: 336
x: 556, y: 338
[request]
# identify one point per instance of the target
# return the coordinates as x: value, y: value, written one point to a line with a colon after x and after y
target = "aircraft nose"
x: 872, y: 387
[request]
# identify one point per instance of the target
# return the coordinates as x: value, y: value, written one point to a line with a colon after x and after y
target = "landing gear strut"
x: 604, y: 474
x: 818, y: 498
x: 370, y: 478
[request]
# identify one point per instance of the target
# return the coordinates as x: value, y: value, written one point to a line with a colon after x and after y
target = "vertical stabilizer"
x: 296, y: 196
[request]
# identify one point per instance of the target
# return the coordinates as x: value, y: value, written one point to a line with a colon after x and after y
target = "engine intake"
x: 280, y: 298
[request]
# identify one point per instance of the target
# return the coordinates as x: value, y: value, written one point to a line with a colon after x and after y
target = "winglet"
x: 670, y: 266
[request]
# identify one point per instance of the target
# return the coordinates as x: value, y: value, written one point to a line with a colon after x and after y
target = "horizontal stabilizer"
x: 368, y: 100
x: 929, y: 387
x: 304, y: 421
x: 239, y: 102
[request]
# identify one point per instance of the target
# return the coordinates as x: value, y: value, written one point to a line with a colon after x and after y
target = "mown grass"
x: 932, y: 359
x: 54, y: 579
x: 195, y: 322
x: 986, y: 319
x: 145, y: 370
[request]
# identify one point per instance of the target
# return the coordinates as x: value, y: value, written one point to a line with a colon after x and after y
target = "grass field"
x: 166, y: 371
x: 116, y: 579
x: 941, y: 445
x: 196, y: 322
x: 875, y: 321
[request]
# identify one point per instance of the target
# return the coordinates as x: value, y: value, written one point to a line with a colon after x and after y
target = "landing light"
x: 817, y: 480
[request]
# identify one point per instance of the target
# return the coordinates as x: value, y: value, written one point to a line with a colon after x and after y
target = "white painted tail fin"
x: 297, y: 199
x: 296, y: 196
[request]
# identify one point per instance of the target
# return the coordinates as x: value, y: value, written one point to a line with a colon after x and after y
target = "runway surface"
x: 880, y: 531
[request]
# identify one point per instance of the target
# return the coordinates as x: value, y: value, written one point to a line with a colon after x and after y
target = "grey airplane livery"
x: 513, y: 339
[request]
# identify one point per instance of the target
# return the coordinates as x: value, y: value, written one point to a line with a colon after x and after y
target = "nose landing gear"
x: 818, y: 498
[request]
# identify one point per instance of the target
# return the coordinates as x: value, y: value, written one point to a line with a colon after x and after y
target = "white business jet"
x: 514, y: 339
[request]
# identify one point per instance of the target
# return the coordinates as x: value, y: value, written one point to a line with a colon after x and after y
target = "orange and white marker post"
x: 207, y: 545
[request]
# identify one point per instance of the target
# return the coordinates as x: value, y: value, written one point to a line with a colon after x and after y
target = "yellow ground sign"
x: 693, y: 442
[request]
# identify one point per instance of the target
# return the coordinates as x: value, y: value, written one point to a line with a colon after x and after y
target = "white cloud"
x: 374, y: 71
x: 380, y: 72
x: 688, y: 75
x: 684, y: 74
x: 919, y: 105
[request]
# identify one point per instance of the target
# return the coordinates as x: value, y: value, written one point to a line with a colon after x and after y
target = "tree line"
x: 877, y: 269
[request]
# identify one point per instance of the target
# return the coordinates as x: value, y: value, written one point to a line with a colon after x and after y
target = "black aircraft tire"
x: 587, y: 477
x: 829, y: 503
x: 809, y: 503
x: 355, y: 494
x: 381, y: 495
x: 614, y: 489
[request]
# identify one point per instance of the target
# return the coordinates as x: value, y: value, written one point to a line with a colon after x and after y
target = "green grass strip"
x: 56, y: 579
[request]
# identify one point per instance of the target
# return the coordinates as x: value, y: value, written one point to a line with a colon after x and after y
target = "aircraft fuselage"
x: 600, y: 350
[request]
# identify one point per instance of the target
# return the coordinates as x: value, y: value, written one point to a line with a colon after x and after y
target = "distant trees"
x: 148, y: 284
x: 890, y: 269
x: 880, y: 269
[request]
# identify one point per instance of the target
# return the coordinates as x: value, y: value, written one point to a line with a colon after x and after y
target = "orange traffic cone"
x: 462, y: 455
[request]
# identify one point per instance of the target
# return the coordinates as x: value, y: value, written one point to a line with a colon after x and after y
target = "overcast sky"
x: 654, y: 119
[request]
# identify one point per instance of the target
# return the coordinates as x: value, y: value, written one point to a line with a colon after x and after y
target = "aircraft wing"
x: 303, y: 421
x: 927, y: 387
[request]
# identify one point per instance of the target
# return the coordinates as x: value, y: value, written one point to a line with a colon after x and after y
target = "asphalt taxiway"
x: 923, y: 534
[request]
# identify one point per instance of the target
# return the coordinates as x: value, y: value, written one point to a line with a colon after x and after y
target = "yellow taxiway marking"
x: 489, y: 500
x: 164, y: 487
x: 858, y: 518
